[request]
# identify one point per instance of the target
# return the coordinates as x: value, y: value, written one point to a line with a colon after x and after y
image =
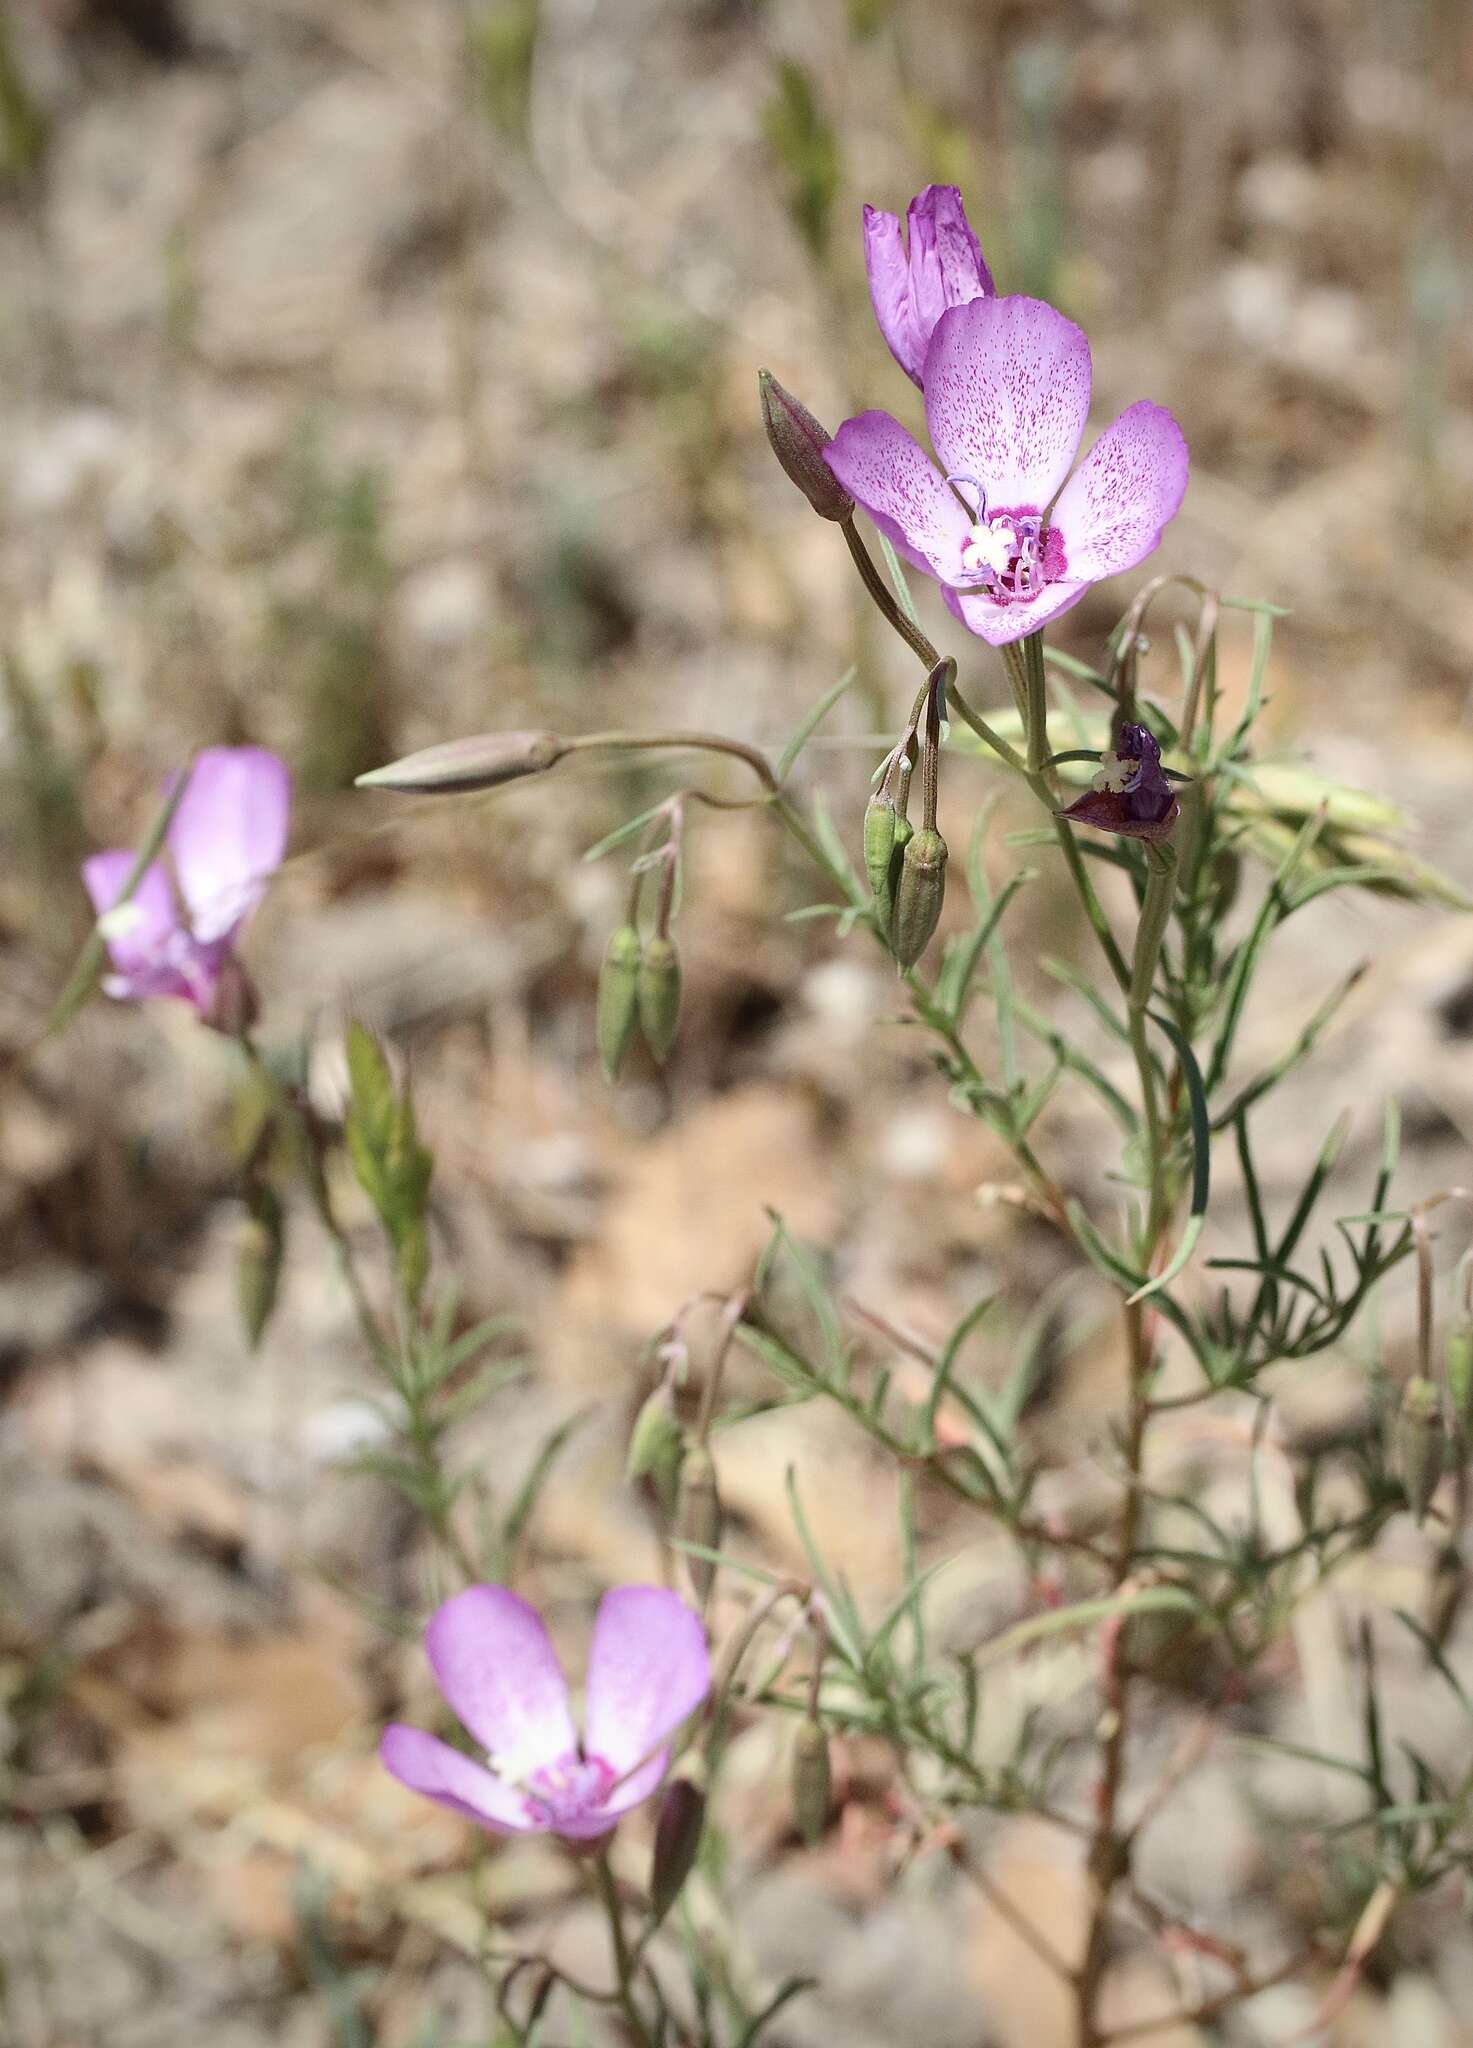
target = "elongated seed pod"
x: 701, y: 1518
x: 659, y: 996
x: 881, y: 818
x: 618, y: 997
x: 810, y: 1779
x: 657, y: 1448
x: 919, y: 894
x: 1419, y: 1441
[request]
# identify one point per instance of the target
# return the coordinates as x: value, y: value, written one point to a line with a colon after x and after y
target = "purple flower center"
x: 1011, y: 555
x: 568, y: 1791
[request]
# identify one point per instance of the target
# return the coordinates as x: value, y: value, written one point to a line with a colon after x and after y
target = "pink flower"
x: 1007, y: 389
x: 912, y: 286
x: 173, y: 936
x: 647, y: 1669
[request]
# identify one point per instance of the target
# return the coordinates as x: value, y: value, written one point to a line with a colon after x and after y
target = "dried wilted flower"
x: 1131, y: 793
x: 648, y: 1668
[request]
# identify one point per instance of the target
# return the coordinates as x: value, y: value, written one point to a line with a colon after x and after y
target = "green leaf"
x: 815, y: 718
x: 898, y: 581
x: 520, y: 1513
x: 1201, y: 1160
x: 803, y: 140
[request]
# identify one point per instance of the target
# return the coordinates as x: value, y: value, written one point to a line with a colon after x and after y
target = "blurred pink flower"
x: 648, y: 1669
x: 914, y: 279
x: 173, y: 936
x: 1007, y: 389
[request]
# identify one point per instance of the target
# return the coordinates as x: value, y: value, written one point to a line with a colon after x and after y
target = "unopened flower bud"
x: 919, y: 894
x: 618, y: 998
x: 659, y: 995
x: 258, y: 1260
x: 1419, y: 1443
x: 678, y: 1827
x: 798, y: 442
x: 458, y: 766
x: 881, y: 817
x: 1459, y: 1363
x: 701, y: 1518
x: 810, y: 1779
x: 657, y: 1448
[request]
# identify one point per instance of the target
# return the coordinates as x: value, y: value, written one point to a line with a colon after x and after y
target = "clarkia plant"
x: 1185, y: 857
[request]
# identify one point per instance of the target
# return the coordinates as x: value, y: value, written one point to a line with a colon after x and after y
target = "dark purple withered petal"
x: 1148, y: 809
x: 1110, y: 811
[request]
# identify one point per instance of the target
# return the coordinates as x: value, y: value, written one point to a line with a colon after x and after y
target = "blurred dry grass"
x: 373, y: 373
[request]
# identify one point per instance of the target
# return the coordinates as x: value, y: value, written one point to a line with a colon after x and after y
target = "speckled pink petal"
x: 1007, y: 385
x: 887, y: 471
x: 889, y: 290
x: 228, y: 835
x: 946, y: 263
x: 997, y: 624
x: 431, y: 1767
x: 1131, y: 483
x: 648, y: 1667
x: 492, y: 1660
x: 916, y: 274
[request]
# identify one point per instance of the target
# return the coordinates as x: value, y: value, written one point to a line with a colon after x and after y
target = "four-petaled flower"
x: 648, y: 1669
x: 915, y: 278
x: 174, y: 934
x: 1130, y: 794
x: 1006, y: 383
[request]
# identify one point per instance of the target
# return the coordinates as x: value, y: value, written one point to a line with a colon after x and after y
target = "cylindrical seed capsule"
x: 881, y: 818
x: 1419, y: 1443
x: 618, y: 997
x: 657, y: 1447
x: 919, y: 894
x: 701, y: 1518
x: 810, y: 1779
x: 659, y: 996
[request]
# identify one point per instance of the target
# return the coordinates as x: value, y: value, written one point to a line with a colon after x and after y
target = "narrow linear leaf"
x: 813, y: 721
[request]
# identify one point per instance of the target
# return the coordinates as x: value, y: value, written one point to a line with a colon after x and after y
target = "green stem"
x: 884, y: 598
x: 624, y: 1966
x: 920, y: 646
x: 1161, y: 875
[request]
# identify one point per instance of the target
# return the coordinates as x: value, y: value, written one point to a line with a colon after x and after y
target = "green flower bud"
x: 1460, y: 1374
x: 657, y: 1448
x: 919, y: 895
x: 618, y: 998
x: 798, y: 442
x: 456, y: 766
x: 1419, y: 1443
x: 659, y: 996
x: 810, y: 1779
x: 701, y: 1519
x: 258, y: 1261
x: 881, y: 818
x: 679, y: 1824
